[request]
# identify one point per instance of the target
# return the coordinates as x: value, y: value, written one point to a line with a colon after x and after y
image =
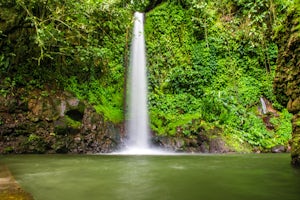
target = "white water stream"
x: 263, y: 105
x: 138, y: 120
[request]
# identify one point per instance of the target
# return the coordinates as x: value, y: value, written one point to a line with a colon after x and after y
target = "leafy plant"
x: 283, y: 128
x: 33, y: 137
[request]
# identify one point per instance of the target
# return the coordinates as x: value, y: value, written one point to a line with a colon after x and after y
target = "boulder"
x: 217, y: 145
x: 196, y: 143
x: 278, y: 149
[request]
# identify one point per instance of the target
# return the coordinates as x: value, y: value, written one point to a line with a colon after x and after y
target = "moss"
x: 297, y: 122
x: 296, y: 145
x: 236, y: 145
x: 295, y: 151
x: 8, y: 149
x: 33, y: 144
x: 72, y: 123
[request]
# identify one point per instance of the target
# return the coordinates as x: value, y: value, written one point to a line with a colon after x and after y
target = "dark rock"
x: 196, y: 144
x: 56, y: 123
x: 278, y: 149
x: 204, y: 147
x: 175, y: 144
x: 267, y: 122
x: 60, y: 126
x: 217, y: 145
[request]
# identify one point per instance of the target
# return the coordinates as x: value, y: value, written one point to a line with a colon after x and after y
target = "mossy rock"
x: 61, y: 145
x: 295, y: 151
x: 35, y: 144
x: 73, y: 123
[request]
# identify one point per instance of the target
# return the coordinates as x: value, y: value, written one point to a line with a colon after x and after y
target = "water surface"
x: 169, y: 177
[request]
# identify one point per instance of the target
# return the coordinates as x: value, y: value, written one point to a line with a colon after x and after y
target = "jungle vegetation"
x: 209, y: 61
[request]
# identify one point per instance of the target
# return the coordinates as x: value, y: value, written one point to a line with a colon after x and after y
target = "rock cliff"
x: 287, y: 80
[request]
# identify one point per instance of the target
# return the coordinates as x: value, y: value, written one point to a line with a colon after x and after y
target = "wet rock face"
x: 287, y: 80
x: 198, y: 143
x: 58, y: 123
x: 295, y: 151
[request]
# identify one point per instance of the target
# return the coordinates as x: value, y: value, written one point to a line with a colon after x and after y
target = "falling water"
x: 263, y: 105
x: 137, y: 126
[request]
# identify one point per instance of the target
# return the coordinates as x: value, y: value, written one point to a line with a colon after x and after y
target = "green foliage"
x: 283, y: 127
x: 139, y: 5
x: 169, y: 112
x: 7, y: 86
x: 33, y: 138
x: 255, y: 133
x: 107, y: 99
x: 173, y: 48
x: 80, y: 45
x: 35, y: 143
x: 194, y: 79
x: 210, y: 62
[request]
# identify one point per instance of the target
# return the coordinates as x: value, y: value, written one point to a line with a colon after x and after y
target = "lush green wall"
x: 209, y: 61
x: 209, y: 64
x: 80, y: 46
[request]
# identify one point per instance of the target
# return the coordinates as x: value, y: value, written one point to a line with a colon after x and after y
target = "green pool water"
x: 165, y: 177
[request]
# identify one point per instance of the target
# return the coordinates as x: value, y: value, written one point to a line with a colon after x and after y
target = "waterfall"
x: 138, y: 120
x: 263, y: 105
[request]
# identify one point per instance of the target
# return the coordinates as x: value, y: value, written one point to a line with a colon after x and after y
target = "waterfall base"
x: 142, y: 151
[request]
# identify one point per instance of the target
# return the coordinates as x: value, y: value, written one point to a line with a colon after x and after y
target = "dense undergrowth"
x: 80, y: 46
x: 209, y: 62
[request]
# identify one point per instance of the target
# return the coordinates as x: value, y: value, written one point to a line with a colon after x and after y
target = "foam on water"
x: 142, y: 151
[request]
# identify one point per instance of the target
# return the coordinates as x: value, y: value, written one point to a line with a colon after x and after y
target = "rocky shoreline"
x: 9, y: 187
